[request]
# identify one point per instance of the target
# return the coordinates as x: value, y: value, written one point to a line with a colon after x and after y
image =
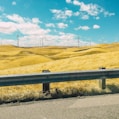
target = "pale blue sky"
x: 59, y: 21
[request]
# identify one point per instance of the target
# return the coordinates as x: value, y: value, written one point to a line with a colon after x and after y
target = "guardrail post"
x: 46, y: 86
x: 102, y: 81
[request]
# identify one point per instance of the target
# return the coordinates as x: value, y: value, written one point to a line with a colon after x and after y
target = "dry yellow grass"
x: 15, y: 60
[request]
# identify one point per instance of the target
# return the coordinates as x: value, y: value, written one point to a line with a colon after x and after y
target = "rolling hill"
x: 31, y: 60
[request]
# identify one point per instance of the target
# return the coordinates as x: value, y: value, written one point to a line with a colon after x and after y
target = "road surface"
x: 92, y: 107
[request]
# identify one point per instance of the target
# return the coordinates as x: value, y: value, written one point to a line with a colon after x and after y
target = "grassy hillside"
x: 14, y: 60
x: 31, y: 60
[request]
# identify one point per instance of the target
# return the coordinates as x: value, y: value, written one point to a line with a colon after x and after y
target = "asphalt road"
x: 93, y: 107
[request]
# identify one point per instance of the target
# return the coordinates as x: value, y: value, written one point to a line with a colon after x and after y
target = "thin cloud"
x: 75, y: 2
x: 61, y: 14
x: 84, y: 17
x: 68, y: 13
x: 76, y: 13
x: 85, y: 28
x: 15, y: 18
x: 36, y: 20
x: 68, y: 1
x: 62, y: 25
x: 97, y: 18
x: 106, y: 13
x: 96, y: 26
x: 50, y: 25
x: 14, y: 3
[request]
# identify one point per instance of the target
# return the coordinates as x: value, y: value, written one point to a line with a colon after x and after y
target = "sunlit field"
x: 17, y: 60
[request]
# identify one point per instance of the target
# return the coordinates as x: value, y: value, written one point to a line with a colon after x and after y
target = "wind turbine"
x: 18, y: 40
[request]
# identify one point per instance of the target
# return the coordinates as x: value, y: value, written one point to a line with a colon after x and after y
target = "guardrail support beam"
x: 102, y: 81
x: 46, y: 86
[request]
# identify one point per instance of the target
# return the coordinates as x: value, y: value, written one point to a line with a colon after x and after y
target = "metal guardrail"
x: 46, y: 77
